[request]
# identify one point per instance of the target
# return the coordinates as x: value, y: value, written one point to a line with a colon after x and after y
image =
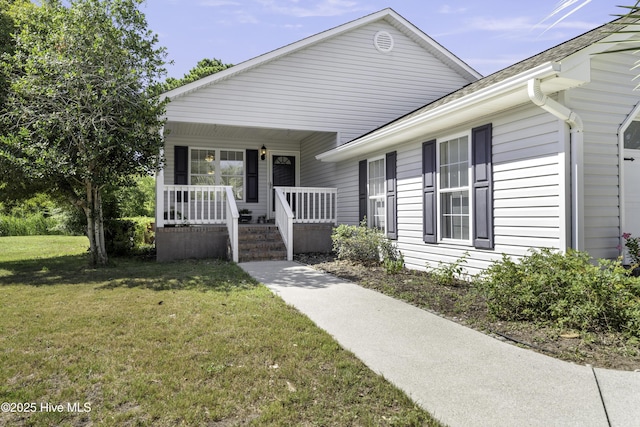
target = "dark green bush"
x: 123, y: 237
x: 565, y: 290
x: 359, y: 243
x: 144, y: 234
x: 120, y: 237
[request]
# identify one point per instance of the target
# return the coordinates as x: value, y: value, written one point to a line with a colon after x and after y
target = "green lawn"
x: 188, y: 343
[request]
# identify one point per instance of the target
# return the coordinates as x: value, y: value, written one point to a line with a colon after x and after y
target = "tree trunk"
x: 95, y: 226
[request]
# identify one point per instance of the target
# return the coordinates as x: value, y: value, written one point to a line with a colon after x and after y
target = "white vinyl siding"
x: 335, y: 90
x: 604, y: 104
x: 342, y: 84
x: 528, y: 192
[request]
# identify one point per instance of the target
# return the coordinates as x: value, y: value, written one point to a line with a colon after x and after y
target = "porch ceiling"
x: 204, y: 130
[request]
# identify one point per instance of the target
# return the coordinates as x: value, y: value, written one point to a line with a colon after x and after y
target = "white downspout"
x: 576, y: 146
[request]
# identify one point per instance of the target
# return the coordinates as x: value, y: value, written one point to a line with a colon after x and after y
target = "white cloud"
x: 520, y: 25
x: 218, y: 3
x: 499, y: 24
x: 246, y: 18
x: 451, y: 10
x: 317, y: 8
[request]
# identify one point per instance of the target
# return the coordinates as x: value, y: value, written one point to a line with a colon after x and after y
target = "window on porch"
x: 218, y: 167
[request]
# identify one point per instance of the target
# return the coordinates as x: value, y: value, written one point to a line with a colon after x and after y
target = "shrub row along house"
x: 374, y: 119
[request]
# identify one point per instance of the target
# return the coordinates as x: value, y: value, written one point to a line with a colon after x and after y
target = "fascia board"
x: 440, y: 51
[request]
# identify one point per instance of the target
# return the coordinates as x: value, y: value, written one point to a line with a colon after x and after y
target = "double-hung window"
x: 218, y: 167
x: 457, y: 189
x: 203, y: 167
x: 454, y: 189
x: 376, y: 193
x: 232, y: 171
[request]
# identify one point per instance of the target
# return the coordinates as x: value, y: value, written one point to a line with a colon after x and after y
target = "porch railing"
x: 284, y: 221
x: 232, y: 223
x: 304, y: 205
x: 194, y: 204
x: 201, y: 205
x: 216, y: 205
x: 312, y: 204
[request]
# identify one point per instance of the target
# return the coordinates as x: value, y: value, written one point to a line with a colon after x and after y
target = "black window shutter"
x: 181, y: 165
x: 252, y: 176
x: 181, y: 169
x: 392, y: 195
x: 481, y: 141
x: 429, y: 191
x: 362, y: 189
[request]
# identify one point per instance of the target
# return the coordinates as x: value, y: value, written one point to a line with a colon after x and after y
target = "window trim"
x: 468, y: 188
x: 382, y: 196
x: 218, y: 176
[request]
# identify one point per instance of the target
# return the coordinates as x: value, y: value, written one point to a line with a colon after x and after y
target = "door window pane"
x: 632, y: 136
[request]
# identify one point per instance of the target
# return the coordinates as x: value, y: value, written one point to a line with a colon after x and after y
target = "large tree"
x: 80, y: 111
x: 205, y: 67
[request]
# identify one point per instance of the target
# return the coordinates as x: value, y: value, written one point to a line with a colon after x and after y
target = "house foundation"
x: 198, y: 242
x: 174, y: 243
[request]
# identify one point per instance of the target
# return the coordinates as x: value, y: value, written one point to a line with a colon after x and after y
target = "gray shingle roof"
x: 553, y: 54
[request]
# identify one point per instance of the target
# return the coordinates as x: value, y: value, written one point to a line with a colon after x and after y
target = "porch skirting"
x: 175, y: 243
x: 312, y: 238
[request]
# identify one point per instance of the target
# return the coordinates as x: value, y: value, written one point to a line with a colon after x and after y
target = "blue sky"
x: 487, y: 34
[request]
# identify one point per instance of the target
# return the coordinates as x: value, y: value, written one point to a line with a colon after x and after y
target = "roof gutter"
x: 395, y: 132
x: 576, y: 145
x: 552, y: 106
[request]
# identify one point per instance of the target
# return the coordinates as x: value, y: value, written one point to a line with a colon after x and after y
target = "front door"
x: 283, y: 169
x: 632, y: 191
x: 631, y: 177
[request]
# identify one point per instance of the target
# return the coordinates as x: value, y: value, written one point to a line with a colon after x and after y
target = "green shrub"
x: 359, y: 243
x: 34, y: 224
x: 565, y: 290
x: 119, y: 236
x: 394, y: 265
x: 144, y: 234
x: 123, y: 237
x: 449, y: 274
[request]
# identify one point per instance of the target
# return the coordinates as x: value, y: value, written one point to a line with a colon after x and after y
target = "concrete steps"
x: 260, y: 242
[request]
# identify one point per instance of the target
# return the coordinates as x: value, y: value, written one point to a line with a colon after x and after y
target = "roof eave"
x: 430, y: 120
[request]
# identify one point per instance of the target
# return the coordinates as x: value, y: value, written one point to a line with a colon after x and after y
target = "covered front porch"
x: 219, y: 178
x: 214, y: 210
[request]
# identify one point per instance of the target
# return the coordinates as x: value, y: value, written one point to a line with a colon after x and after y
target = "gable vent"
x: 383, y: 41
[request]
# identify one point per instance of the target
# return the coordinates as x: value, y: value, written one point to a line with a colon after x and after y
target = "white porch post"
x: 160, y: 190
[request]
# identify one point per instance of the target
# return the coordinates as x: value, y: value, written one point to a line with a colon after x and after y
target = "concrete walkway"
x: 461, y: 376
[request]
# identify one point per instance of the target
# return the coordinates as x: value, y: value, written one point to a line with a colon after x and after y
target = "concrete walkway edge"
x: 461, y: 376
